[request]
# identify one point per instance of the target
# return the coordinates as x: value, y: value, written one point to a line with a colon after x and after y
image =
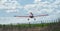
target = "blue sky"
x: 3, y: 12
x: 11, y: 8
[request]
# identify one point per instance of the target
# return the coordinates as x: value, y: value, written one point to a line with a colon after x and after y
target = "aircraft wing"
x: 34, y: 16
x: 21, y: 16
x: 41, y: 15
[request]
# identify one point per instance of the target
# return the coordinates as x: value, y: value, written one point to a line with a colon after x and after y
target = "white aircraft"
x: 32, y: 16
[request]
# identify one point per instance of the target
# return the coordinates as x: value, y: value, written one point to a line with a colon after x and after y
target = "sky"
x: 11, y: 8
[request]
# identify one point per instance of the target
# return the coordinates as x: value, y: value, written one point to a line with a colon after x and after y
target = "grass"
x: 23, y: 26
x: 27, y: 25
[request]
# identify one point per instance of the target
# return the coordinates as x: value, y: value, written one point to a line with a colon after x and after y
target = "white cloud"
x: 37, y: 1
x: 9, y: 11
x: 10, y: 5
x: 31, y: 8
x: 44, y: 1
x: 43, y: 7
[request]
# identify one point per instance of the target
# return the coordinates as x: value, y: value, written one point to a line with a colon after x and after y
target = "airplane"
x: 32, y: 16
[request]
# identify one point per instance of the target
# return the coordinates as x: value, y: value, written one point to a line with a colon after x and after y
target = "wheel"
x: 34, y: 19
x: 28, y: 19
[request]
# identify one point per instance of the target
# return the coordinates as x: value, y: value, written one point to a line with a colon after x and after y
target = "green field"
x: 52, y: 26
x: 25, y: 25
x: 28, y: 25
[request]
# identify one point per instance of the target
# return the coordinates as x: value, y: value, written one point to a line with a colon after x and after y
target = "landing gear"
x: 29, y: 19
x: 34, y: 19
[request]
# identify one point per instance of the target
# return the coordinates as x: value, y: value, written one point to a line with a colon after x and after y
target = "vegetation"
x: 27, y: 26
x: 23, y: 25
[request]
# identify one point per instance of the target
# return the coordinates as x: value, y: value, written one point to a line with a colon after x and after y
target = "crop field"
x: 31, y: 27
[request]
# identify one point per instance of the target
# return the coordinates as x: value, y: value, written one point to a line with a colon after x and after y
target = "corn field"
x: 55, y: 26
